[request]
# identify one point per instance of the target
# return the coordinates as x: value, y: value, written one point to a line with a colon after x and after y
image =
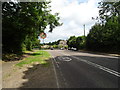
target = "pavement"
x: 85, y: 70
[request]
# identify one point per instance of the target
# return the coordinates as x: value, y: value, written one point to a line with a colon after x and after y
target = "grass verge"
x: 39, y: 57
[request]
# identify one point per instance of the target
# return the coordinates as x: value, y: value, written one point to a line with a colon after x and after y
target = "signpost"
x: 43, y: 36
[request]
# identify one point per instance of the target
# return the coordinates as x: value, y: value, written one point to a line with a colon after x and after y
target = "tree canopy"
x: 22, y: 22
x: 76, y: 42
x: 105, y: 36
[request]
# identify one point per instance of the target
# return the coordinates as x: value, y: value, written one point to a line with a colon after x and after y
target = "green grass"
x: 38, y: 56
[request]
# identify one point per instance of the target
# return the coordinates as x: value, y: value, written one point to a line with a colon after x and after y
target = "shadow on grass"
x: 35, y: 54
x: 39, y: 76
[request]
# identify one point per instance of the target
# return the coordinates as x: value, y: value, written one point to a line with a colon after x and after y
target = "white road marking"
x: 55, y: 73
x: 99, y: 66
x: 64, y: 58
x: 60, y: 74
x: 96, y: 65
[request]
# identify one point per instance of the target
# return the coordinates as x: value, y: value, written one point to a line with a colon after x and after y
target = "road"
x: 84, y: 70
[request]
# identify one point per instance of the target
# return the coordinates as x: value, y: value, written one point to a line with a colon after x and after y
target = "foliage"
x: 76, y: 42
x: 81, y: 42
x: 54, y: 43
x: 109, y: 10
x: 104, y: 37
x: 22, y: 22
x: 66, y: 46
x: 71, y: 42
x: 55, y: 46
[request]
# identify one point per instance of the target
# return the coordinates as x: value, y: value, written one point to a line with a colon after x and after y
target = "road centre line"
x: 96, y: 65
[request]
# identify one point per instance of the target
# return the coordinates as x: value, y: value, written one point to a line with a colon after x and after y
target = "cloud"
x: 73, y: 14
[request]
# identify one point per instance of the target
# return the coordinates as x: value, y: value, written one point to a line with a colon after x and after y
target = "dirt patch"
x: 31, y: 76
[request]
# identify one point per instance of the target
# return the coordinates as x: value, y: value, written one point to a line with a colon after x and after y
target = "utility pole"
x: 84, y: 30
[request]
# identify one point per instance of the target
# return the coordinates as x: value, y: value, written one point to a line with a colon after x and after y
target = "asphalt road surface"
x: 85, y: 70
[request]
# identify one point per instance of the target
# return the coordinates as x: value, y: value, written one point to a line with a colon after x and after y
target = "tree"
x: 94, y: 37
x: 76, y: 42
x: 22, y: 22
x: 54, y: 43
x: 71, y: 42
x: 80, y: 42
x: 108, y: 10
x: 105, y: 36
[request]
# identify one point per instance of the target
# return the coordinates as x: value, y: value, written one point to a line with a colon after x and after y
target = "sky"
x: 73, y: 14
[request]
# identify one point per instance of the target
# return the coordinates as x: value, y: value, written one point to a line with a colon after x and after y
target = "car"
x: 75, y: 49
x: 62, y: 48
x: 51, y: 48
x: 69, y: 48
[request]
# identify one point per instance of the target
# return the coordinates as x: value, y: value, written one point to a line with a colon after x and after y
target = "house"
x: 62, y: 44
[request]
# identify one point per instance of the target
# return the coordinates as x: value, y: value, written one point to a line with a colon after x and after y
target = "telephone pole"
x: 84, y: 30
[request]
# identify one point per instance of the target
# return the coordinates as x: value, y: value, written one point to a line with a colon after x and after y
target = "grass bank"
x: 37, y: 57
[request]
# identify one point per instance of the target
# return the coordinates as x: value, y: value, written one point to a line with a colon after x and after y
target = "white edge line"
x: 55, y: 72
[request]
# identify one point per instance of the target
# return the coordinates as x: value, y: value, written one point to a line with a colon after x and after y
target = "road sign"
x: 43, y: 35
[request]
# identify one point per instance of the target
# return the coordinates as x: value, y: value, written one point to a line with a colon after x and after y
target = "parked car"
x: 62, y: 48
x: 51, y: 48
x: 75, y: 49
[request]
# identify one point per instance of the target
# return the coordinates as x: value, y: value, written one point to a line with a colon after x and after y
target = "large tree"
x: 22, y: 22
x: 108, y: 10
x: 105, y: 36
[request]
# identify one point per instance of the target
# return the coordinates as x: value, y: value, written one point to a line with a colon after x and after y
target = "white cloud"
x: 73, y: 15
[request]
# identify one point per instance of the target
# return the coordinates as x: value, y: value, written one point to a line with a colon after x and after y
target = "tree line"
x: 105, y: 34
